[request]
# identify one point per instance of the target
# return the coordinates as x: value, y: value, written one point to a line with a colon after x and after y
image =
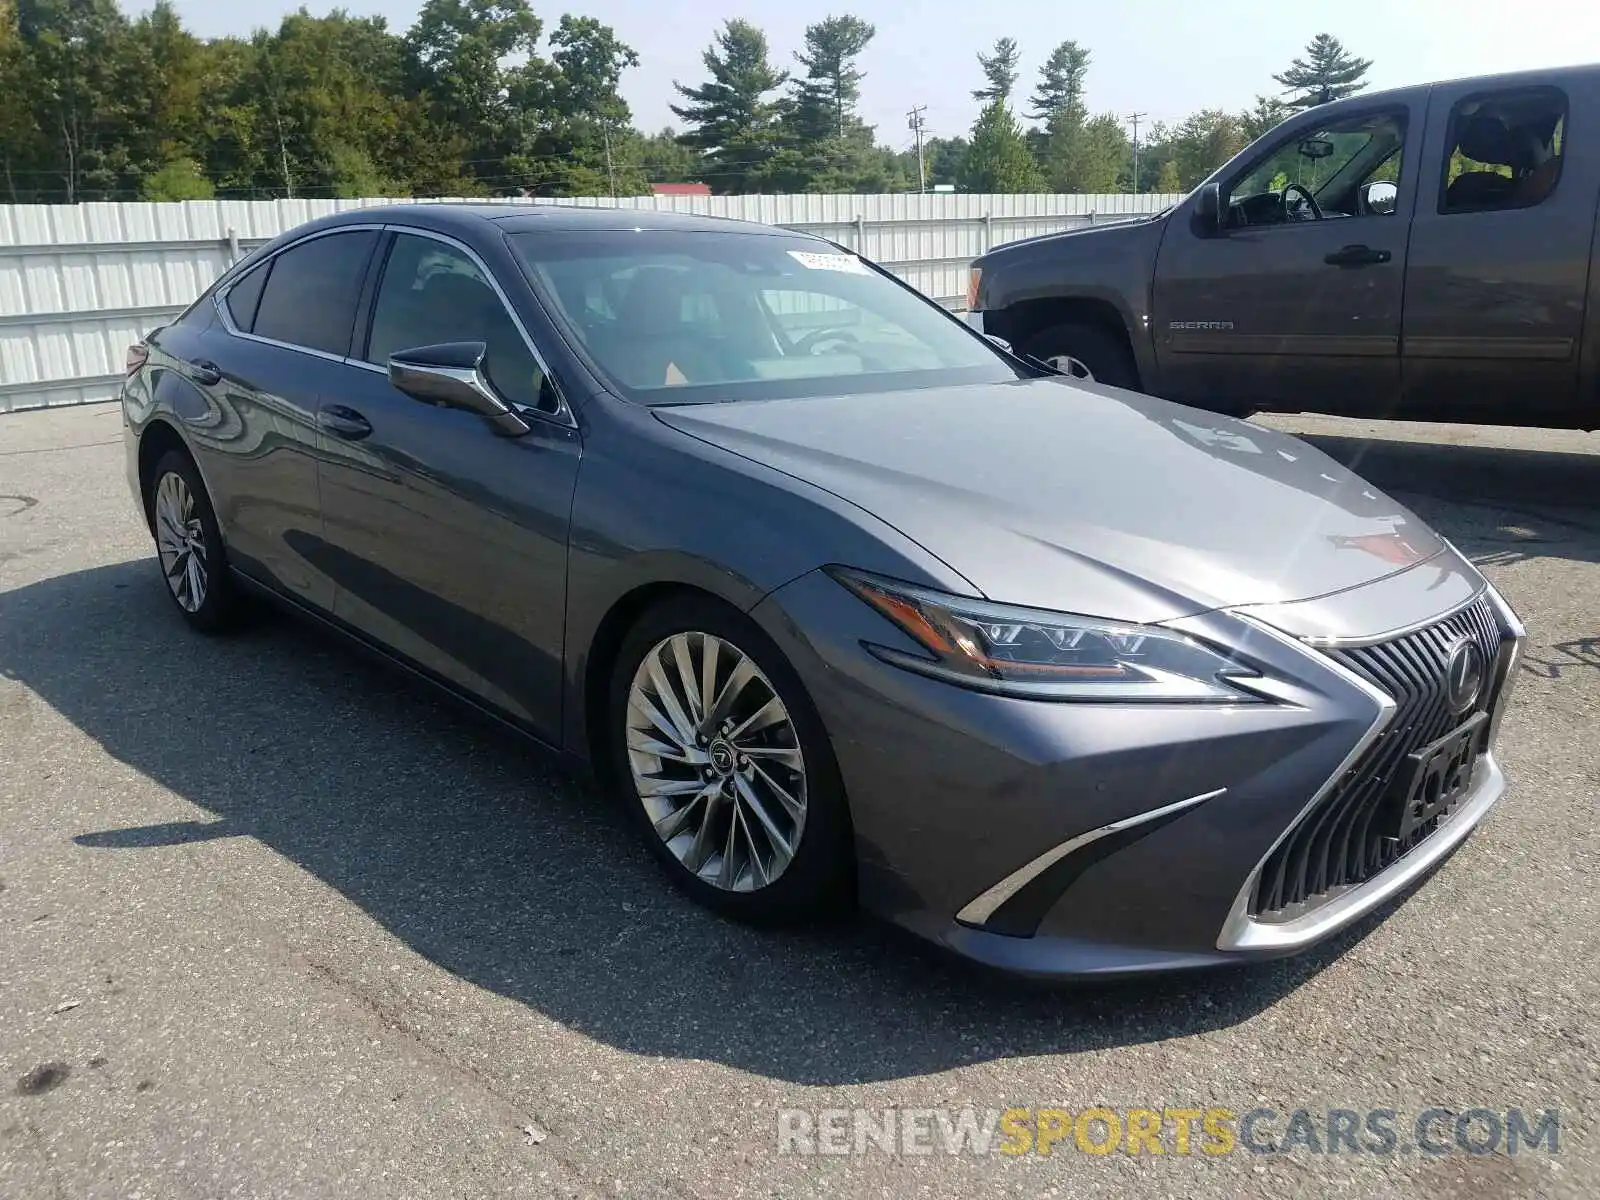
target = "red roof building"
x: 680, y: 189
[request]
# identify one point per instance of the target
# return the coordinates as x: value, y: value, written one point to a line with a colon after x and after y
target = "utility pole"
x: 611, y: 174
x: 916, y: 121
x: 1135, y: 118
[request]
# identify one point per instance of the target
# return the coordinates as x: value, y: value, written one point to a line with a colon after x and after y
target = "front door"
x: 1295, y: 301
x: 1500, y: 251
x: 447, y: 540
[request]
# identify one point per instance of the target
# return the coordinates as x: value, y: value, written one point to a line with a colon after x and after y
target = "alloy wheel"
x: 181, y: 542
x: 1068, y: 365
x: 716, y: 761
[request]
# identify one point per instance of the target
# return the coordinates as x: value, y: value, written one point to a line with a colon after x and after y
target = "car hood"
x: 1075, y: 497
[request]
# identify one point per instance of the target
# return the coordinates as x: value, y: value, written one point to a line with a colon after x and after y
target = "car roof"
x: 1549, y: 76
x: 538, y: 218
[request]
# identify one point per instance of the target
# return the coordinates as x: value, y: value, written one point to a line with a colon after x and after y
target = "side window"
x: 1505, y: 150
x: 310, y: 297
x: 1348, y: 168
x: 431, y: 293
x: 244, y: 296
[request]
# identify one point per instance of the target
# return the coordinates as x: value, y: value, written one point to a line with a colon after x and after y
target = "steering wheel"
x: 1305, y: 193
x: 819, y: 337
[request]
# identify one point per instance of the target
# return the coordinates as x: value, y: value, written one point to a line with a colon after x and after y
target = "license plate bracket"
x: 1436, y: 777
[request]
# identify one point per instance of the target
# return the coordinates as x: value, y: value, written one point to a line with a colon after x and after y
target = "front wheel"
x: 726, y: 768
x: 1085, y: 352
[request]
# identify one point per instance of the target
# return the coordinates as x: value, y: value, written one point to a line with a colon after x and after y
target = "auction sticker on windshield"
x: 848, y: 263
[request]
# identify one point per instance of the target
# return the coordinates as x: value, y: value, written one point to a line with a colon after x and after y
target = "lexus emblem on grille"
x: 1463, y: 675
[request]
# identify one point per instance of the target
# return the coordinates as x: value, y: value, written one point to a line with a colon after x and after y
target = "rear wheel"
x: 189, y: 545
x: 725, y: 766
x: 1085, y: 351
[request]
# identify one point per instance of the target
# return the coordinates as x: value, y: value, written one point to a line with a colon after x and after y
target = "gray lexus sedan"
x: 846, y: 602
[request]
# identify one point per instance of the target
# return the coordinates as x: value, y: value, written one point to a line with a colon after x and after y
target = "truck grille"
x: 1346, y: 839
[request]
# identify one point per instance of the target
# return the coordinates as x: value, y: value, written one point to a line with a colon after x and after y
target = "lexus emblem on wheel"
x: 1463, y: 675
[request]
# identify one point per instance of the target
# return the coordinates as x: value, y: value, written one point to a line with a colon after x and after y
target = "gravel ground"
x: 274, y: 921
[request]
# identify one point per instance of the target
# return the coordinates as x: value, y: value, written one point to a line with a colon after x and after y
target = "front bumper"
x: 1080, y: 839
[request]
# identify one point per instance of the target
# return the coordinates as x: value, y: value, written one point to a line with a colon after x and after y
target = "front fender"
x: 655, y: 507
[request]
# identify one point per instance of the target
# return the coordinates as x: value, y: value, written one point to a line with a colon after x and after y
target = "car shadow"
x: 1499, y: 504
x: 479, y: 853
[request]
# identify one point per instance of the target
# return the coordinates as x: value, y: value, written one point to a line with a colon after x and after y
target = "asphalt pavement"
x: 275, y: 921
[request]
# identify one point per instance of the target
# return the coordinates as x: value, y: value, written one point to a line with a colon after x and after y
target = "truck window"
x: 1505, y: 150
x: 1349, y: 168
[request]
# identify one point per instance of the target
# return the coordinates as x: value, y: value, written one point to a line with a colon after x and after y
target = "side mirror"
x: 451, y: 374
x: 1208, y: 209
x: 1381, y: 195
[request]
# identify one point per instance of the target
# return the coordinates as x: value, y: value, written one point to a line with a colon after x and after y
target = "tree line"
x: 482, y: 97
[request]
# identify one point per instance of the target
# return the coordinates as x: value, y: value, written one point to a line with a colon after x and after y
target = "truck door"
x: 1294, y: 302
x: 1500, y: 249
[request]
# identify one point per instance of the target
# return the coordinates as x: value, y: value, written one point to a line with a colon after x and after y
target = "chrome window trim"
x: 979, y: 909
x: 563, y: 415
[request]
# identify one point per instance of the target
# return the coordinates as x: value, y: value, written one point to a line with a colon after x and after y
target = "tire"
x: 1104, y: 357
x: 689, y: 829
x: 184, y: 526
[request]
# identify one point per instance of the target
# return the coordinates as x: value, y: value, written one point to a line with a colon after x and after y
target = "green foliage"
x: 1268, y: 113
x: 482, y: 97
x: 1061, y: 79
x: 1000, y: 69
x: 822, y: 102
x: 180, y: 179
x: 733, y: 117
x: 1327, y: 72
x: 999, y: 159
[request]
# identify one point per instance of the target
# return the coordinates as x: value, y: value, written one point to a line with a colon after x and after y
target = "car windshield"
x: 674, y: 317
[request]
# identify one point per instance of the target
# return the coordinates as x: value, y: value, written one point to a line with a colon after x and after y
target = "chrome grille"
x: 1344, y: 840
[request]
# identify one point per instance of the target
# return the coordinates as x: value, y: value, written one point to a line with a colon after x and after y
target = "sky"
x: 1165, y: 58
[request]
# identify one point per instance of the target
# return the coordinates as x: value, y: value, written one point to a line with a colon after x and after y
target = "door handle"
x: 205, y: 372
x: 343, y: 422
x: 1356, y: 256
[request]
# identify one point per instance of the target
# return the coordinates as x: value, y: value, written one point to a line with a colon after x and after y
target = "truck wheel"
x: 1085, y: 352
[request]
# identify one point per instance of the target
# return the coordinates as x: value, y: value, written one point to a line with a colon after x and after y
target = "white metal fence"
x: 78, y: 283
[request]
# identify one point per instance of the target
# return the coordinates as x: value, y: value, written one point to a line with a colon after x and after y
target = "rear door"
x: 258, y: 357
x: 1500, y: 251
x: 448, y: 541
x: 1296, y: 302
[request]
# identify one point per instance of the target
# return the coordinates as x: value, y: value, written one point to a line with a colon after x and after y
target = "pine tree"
x: 824, y: 101
x: 999, y: 159
x: 1061, y: 82
x: 1000, y: 69
x: 1328, y: 72
x: 731, y: 117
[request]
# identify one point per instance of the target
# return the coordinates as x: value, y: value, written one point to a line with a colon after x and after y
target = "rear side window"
x: 244, y: 296
x: 310, y: 297
x: 1505, y: 150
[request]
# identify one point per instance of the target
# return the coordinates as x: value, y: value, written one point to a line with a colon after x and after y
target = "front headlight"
x: 1044, y: 655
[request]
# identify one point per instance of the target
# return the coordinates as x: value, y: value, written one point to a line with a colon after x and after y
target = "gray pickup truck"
x: 1425, y: 253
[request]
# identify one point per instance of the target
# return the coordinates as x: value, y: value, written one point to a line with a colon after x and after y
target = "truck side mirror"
x: 1208, y: 210
x: 1381, y: 195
